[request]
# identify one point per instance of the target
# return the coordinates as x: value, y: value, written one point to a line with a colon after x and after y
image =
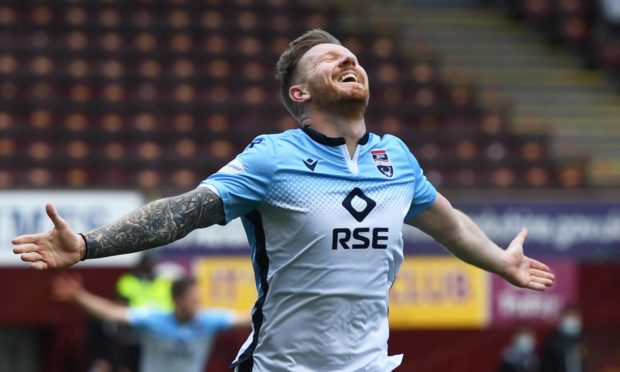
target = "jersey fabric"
x: 325, y: 231
x: 170, y: 346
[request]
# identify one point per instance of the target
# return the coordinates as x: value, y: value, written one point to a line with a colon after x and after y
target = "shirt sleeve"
x: 243, y: 183
x: 217, y: 320
x: 424, y: 193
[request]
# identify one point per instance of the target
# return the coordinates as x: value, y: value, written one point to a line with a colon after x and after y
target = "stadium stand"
x: 590, y: 32
x: 546, y: 90
x: 590, y: 29
x: 158, y: 95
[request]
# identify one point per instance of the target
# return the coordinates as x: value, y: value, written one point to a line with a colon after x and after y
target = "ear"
x: 298, y: 93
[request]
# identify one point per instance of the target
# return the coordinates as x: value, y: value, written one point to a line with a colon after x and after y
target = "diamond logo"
x: 358, y: 204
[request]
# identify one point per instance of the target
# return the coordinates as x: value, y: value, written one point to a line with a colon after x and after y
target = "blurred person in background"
x: 323, y: 207
x: 564, y: 349
x: 141, y: 287
x: 177, y: 340
x: 113, y: 346
x: 520, y: 355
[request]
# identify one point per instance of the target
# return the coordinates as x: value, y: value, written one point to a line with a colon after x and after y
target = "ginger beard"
x: 342, y: 98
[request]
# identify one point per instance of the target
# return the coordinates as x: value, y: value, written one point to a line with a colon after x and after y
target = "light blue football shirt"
x: 325, y: 231
x: 170, y: 346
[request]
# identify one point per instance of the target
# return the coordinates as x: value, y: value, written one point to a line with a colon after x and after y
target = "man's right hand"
x: 57, y: 248
x: 66, y: 287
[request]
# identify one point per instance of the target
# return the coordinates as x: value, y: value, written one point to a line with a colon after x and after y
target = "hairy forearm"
x: 471, y: 245
x: 160, y: 222
x: 460, y: 235
x: 102, y: 308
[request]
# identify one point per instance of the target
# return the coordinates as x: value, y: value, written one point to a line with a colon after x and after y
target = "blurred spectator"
x: 519, y: 356
x: 564, y: 350
x: 141, y: 288
x: 611, y: 11
x: 111, y: 346
x: 177, y: 340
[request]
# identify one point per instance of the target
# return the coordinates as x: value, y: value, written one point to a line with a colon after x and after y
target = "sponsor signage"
x: 23, y: 212
x: 511, y: 305
x: 226, y: 282
x: 576, y: 230
x: 439, y: 292
x: 429, y: 293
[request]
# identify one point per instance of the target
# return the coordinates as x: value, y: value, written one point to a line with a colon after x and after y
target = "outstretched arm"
x: 157, y: 223
x: 461, y: 236
x: 69, y: 288
x: 160, y: 222
x: 241, y: 320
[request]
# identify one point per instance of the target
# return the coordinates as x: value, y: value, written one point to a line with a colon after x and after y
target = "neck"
x: 181, y: 317
x: 352, y: 129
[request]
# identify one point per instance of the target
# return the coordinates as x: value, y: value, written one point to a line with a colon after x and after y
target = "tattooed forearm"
x: 157, y: 223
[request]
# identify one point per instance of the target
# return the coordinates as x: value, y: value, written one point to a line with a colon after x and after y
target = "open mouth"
x: 349, y: 78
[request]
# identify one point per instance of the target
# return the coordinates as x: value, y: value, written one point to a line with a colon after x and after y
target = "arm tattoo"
x: 157, y: 223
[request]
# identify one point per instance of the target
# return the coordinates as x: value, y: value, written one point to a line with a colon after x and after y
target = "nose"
x: 348, y: 60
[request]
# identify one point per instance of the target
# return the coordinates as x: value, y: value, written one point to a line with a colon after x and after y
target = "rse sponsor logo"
x: 358, y: 213
x: 360, y: 238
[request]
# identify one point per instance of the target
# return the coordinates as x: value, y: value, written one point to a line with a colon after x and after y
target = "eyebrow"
x: 322, y: 57
x: 334, y: 53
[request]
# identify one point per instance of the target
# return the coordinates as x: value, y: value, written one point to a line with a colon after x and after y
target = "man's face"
x: 332, y: 74
x: 188, y: 304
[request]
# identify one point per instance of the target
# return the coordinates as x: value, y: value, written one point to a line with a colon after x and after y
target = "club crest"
x: 382, y: 161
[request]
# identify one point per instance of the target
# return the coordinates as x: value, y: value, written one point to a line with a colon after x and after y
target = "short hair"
x: 286, y: 67
x: 181, y: 285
